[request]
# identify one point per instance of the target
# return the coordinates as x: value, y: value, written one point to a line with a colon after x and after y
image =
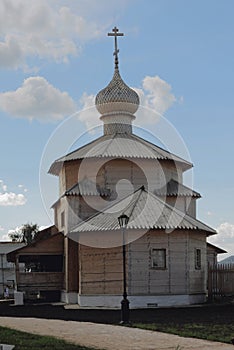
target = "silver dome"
x: 116, y: 97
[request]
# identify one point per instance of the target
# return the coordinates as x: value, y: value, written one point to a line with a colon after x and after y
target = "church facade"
x: 117, y: 174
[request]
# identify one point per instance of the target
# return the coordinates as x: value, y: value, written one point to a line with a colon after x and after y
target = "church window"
x: 158, y: 258
x: 198, y: 259
x: 62, y: 219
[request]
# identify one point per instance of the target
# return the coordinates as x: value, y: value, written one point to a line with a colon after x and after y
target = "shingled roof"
x: 87, y: 187
x: 122, y: 146
x: 145, y: 211
x: 173, y: 189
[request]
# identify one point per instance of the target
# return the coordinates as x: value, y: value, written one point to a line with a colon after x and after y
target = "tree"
x: 28, y: 233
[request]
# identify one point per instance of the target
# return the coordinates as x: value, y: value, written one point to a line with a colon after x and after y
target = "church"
x: 80, y: 259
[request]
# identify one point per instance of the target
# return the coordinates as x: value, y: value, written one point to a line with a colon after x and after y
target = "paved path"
x: 109, y: 337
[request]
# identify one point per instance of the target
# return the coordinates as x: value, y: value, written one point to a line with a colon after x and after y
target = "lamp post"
x: 123, y: 221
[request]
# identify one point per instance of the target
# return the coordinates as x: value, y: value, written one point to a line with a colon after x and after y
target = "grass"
x: 214, y: 332
x: 27, y: 341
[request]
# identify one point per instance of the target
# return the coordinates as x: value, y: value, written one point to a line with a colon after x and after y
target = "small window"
x: 158, y: 258
x: 62, y: 219
x: 198, y: 259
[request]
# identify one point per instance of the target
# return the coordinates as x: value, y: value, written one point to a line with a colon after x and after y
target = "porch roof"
x: 145, y: 211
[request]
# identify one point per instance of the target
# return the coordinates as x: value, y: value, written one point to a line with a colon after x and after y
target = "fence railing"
x: 220, y: 281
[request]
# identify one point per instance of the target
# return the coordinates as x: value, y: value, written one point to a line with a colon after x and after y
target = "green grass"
x: 27, y: 341
x: 215, y: 332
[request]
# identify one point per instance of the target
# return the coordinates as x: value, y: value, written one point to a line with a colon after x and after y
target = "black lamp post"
x: 123, y: 221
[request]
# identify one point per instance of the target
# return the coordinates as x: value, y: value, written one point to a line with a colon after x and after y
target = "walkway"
x: 109, y: 337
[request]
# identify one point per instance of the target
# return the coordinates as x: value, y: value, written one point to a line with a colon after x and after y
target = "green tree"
x: 28, y: 233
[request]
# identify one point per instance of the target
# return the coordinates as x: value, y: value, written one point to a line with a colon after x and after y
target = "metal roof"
x: 86, y: 187
x: 117, y: 91
x: 218, y: 250
x: 174, y: 188
x: 119, y: 146
x: 145, y: 211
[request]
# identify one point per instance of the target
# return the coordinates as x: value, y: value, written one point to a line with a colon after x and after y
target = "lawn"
x: 27, y: 341
x: 216, y: 332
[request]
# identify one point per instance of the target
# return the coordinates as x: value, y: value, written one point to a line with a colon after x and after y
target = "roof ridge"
x: 180, y: 213
x: 108, y: 207
x: 183, y: 220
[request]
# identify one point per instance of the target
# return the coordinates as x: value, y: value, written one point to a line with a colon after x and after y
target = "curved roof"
x: 122, y: 146
x: 117, y: 91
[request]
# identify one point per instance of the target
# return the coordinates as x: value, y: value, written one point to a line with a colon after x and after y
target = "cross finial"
x: 116, y: 33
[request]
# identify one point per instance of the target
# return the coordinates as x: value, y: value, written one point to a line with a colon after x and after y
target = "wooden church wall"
x: 180, y: 275
x: 101, y: 269
x: 198, y: 277
x: 183, y: 203
x: 144, y: 278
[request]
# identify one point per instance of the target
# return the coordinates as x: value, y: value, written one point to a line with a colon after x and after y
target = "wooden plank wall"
x: 101, y: 269
x: 220, y: 281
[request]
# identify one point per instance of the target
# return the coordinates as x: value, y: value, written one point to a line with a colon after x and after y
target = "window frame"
x: 62, y: 218
x: 162, y: 266
x: 198, y: 259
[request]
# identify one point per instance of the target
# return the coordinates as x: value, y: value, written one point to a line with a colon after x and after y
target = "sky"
x: 55, y: 56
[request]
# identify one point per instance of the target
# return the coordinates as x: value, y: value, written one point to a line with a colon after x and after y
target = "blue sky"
x: 55, y: 56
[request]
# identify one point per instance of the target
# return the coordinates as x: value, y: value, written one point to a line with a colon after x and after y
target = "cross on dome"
x: 117, y: 102
x: 116, y: 33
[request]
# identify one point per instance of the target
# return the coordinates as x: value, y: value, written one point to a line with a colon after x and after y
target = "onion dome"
x: 117, y: 102
x: 117, y: 97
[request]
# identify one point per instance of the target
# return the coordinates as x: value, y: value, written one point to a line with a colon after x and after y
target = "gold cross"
x: 116, y: 33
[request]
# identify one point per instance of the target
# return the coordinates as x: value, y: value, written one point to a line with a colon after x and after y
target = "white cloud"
x: 37, y: 99
x: 225, y: 237
x: 155, y: 99
x: 16, y: 230
x: 10, y: 53
x: 3, y: 186
x: 50, y: 29
x: 89, y: 114
x: 1, y: 228
x: 12, y: 199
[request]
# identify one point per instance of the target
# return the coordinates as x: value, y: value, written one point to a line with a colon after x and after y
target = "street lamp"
x: 123, y: 221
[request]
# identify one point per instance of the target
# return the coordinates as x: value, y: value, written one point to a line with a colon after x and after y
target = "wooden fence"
x: 220, y: 281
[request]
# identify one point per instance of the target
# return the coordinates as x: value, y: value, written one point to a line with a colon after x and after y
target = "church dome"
x: 117, y: 97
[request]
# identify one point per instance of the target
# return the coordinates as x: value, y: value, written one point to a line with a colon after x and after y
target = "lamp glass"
x: 123, y: 220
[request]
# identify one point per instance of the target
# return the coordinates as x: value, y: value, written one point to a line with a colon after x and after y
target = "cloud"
x: 155, y: 99
x: 10, y: 198
x: 51, y: 29
x: 89, y: 114
x: 225, y: 237
x: 16, y: 230
x: 37, y: 99
x: 10, y: 53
